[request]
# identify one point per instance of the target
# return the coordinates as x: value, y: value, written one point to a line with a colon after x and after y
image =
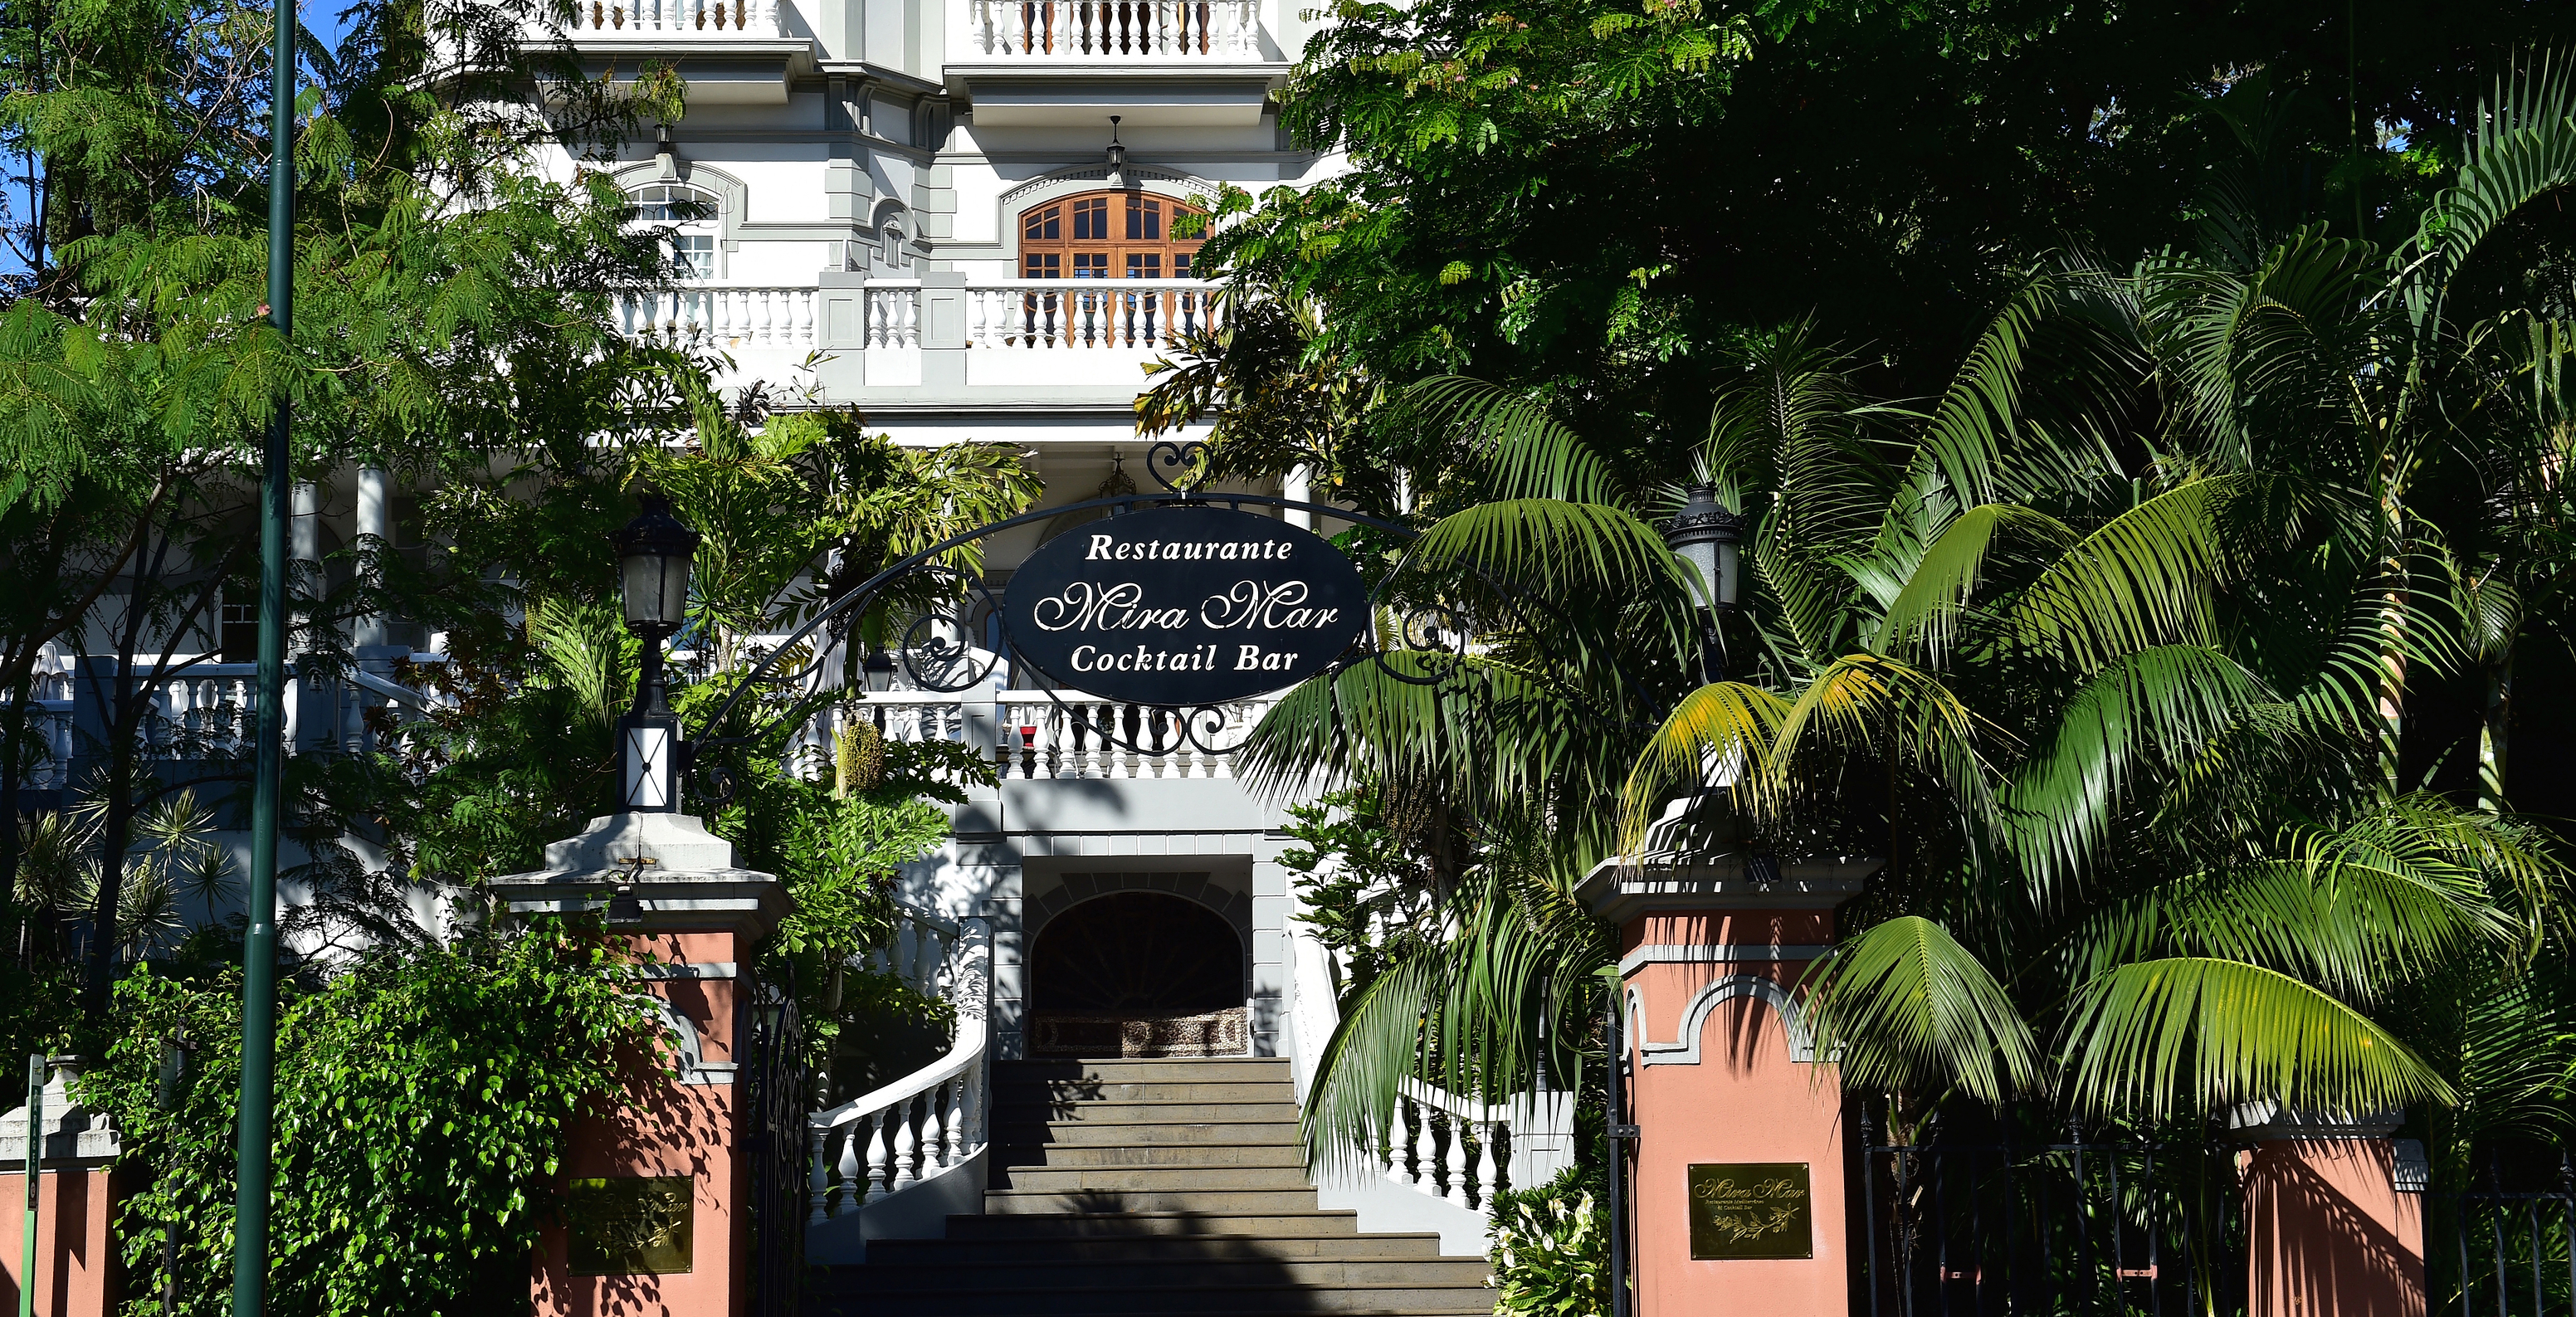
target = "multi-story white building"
x: 959, y: 217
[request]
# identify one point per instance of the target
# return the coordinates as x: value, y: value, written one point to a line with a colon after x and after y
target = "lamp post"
x: 653, y: 553
x: 1710, y: 539
x: 251, y: 1125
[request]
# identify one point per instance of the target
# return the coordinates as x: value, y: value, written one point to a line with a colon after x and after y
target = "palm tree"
x: 2118, y: 725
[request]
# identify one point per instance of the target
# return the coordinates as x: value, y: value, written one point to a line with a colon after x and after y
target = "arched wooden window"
x: 1106, y: 235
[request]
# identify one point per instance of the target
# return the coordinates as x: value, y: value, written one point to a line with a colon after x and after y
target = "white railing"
x: 893, y: 316
x: 49, y: 729
x: 930, y: 1122
x: 209, y: 711
x: 1114, y: 30
x: 1085, y: 736
x: 730, y: 317
x: 1041, y: 314
x: 1042, y: 734
x: 693, y: 19
x: 1440, y: 1144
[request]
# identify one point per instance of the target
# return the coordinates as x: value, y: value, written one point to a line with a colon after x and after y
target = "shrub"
x: 1551, y: 1249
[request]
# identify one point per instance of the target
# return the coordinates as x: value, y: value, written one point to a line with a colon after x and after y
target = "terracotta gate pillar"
x: 1738, y: 1191
x: 660, y: 1194
x: 2329, y: 1232
x: 77, y: 1270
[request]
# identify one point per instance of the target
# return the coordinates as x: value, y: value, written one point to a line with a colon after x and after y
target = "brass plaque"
x: 629, y: 1227
x: 1751, y: 1210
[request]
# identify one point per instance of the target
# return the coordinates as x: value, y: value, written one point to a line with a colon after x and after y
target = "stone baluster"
x: 1488, y: 1165
x: 819, y: 1186
x: 1426, y: 1147
x: 954, y: 1127
x: 1457, y: 1167
x: 934, y: 1122
x: 906, y: 1144
x: 870, y: 1165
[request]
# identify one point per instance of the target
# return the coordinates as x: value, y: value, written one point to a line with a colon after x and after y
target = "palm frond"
x: 1877, y: 704
x: 2190, y: 1035
x: 2142, y: 579
x: 1947, y: 574
x: 1528, y: 452
x: 2159, y: 704
x: 2522, y: 148
x: 1721, y: 730
x: 1905, y: 1006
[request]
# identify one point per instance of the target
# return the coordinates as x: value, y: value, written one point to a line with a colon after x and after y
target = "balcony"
x: 939, y: 333
x: 1043, y: 63
x: 733, y: 52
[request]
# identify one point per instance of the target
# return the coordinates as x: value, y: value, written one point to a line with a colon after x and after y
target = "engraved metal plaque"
x: 1751, y: 1210
x: 628, y: 1227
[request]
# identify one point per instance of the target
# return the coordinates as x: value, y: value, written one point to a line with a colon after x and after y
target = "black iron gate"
x: 772, y: 1087
x: 1974, y: 1211
x: 2507, y: 1246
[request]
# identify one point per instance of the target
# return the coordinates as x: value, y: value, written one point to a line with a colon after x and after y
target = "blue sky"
x: 321, y: 16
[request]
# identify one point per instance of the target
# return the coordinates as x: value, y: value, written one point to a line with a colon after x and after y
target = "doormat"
x: 1212, y: 1033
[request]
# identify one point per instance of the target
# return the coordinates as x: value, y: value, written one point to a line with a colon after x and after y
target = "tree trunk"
x: 2494, y: 732
x: 115, y: 838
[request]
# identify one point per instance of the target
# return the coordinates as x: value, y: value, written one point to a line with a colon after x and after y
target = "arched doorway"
x: 1137, y: 974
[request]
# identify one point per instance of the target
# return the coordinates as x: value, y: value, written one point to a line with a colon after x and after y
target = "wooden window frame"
x: 1048, y: 228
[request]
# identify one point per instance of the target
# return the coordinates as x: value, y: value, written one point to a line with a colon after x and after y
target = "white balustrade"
x: 892, y: 316
x: 1070, y: 735
x: 1039, y: 315
x: 722, y: 316
x: 1438, y: 1143
x: 1114, y: 31
x: 674, y: 19
x: 932, y: 1121
x: 1045, y: 734
x: 210, y: 711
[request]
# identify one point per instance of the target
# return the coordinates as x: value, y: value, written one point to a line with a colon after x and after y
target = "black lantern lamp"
x: 1710, y: 539
x: 878, y: 667
x: 653, y: 553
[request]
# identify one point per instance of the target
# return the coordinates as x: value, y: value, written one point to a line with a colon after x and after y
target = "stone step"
x: 1027, y: 1202
x: 1078, y: 1276
x: 1301, y: 1223
x: 1156, y: 1179
x: 1149, y: 1247
x: 1214, y: 1069
x: 1009, y: 1095
x: 1214, y: 1153
x: 861, y: 1297
x: 1048, y: 1133
x: 1145, y: 1112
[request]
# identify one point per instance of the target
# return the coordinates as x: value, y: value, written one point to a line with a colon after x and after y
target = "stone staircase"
x: 1164, y: 1187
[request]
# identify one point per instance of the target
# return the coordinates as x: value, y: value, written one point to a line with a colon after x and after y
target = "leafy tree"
x: 424, y: 1098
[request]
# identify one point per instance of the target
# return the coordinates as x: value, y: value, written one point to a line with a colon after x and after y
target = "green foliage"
x: 1366, y: 896
x: 424, y: 1101
x: 1551, y: 1249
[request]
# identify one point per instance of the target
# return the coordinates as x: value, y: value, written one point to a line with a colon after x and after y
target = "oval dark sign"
x: 1184, y: 605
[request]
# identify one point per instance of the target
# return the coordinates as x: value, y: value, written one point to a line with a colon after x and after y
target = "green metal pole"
x: 35, y: 1172
x: 259, y: 945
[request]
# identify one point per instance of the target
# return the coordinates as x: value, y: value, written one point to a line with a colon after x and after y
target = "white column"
x: 1299, y: 484
x: 376, y: 517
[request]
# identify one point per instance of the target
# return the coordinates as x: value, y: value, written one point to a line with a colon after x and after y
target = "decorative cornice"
x: 1624, y: 888
x: 1732, y: 953
x: 2260, y: 1122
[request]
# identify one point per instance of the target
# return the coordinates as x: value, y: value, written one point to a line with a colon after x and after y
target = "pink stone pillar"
x: 671, y: 889
x: 77, y: 1271
x: 2328, y: 1231
x: 1740, y: 1126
